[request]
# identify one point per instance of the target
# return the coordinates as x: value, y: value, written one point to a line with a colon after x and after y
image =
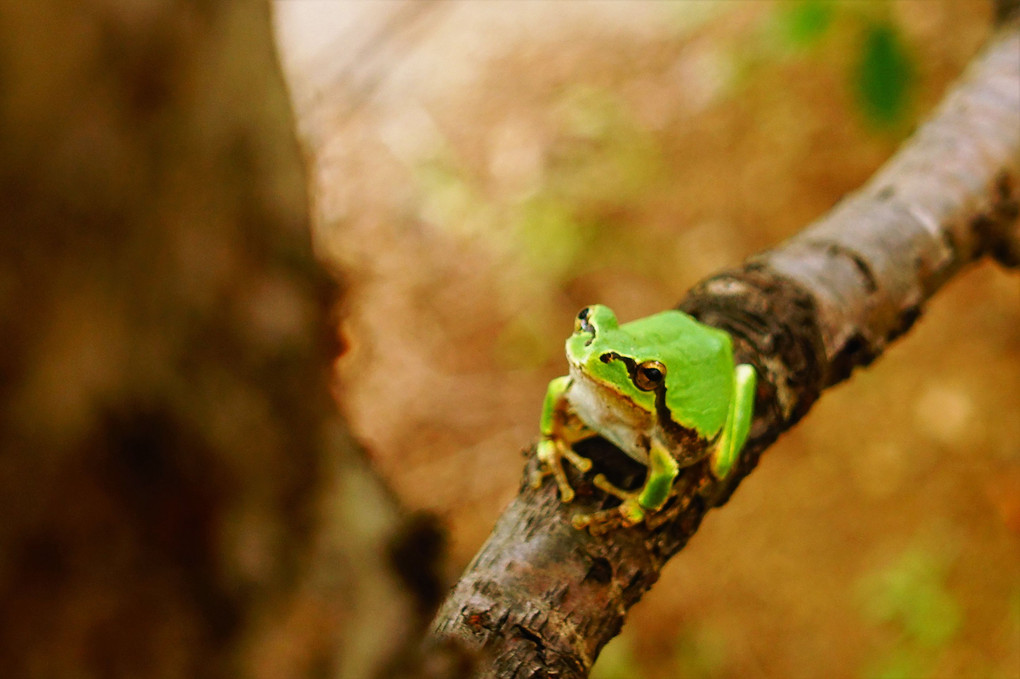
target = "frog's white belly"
x: 609, y: 414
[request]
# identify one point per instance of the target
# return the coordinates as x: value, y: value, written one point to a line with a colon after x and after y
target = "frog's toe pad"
x: 632, y: 512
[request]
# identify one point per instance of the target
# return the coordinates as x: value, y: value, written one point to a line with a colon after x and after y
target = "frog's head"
x: 615, y: 359
x: 665, y: 366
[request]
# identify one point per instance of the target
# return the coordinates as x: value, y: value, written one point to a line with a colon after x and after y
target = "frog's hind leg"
x: 635, y: 505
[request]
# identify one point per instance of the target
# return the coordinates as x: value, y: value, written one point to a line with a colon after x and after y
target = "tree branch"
x: 540, y: 598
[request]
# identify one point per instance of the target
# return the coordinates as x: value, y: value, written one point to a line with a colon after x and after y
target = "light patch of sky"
x: 400, y: 59
x: 322, y: 40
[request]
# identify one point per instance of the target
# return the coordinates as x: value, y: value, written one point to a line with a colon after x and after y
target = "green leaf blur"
x: 884, y: 77
x: 911, y: 597
x: 806, y: 22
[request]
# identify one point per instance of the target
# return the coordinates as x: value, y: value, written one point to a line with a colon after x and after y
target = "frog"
x: 664, y: 389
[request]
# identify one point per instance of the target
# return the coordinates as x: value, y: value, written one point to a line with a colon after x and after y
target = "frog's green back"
x: 699, y: 360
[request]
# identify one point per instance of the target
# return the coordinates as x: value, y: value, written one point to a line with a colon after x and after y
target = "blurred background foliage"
x: 483, y: 170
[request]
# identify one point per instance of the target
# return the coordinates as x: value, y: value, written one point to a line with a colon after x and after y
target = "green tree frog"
x: 663, y: 389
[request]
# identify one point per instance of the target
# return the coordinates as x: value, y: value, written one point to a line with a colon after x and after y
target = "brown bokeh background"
x: 483, y: 170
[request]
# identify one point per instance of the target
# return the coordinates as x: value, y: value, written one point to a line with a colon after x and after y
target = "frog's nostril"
x: 581, y: 324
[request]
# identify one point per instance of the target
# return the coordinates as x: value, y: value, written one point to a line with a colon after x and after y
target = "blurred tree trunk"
x: 178, y: 496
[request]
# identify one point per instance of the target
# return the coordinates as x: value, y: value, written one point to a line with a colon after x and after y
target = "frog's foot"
x: 601, y: 522
x: 628, y: 513
x: 550, y: 461
x: 679, y: 500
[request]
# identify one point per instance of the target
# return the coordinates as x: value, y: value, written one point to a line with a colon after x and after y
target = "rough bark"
x: 540, y: 598
x: 178, y: 496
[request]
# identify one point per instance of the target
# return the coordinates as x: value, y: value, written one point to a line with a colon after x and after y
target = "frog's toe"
x: 632, y: 512
x: 537, y: 476
x: 597, y: 523
x: 552, y: 468
x: 600, y: 522
x: 566, y: 490
x: 603, y: 484
x: 580, y: 462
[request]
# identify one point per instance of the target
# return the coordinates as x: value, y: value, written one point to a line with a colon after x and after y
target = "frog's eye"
x: 649, y: 375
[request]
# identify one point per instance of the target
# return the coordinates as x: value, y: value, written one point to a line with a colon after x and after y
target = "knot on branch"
x: 998, y: 228
x: 1006, y: 10
x: 774, y: 325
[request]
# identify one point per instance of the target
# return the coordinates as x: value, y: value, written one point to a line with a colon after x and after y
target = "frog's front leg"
x: 738, y: 422
x: 636, y: 504
x: 560, y: 430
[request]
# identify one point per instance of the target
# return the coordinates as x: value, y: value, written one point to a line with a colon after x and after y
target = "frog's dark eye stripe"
x: 649, y: 375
